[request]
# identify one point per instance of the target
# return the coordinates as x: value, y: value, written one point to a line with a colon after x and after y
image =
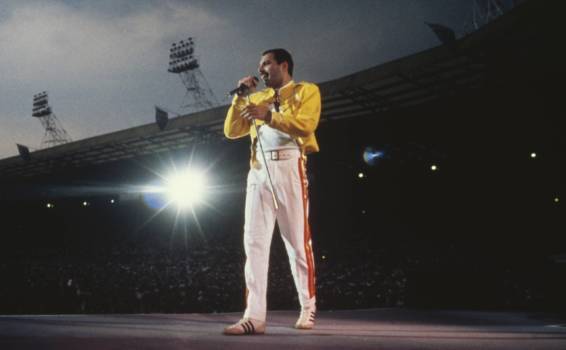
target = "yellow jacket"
x: 298, y: 116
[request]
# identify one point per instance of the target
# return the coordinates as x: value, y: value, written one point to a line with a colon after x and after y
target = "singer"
x: 281, y: 121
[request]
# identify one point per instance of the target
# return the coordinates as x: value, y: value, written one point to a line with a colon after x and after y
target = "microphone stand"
x: 264, y: 161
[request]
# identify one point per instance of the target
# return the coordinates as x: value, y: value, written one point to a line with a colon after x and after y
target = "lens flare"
x: 372, y: 156
x: 186, y: 188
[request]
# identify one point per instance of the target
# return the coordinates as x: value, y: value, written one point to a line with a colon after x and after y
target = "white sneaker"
x: 245, y: 326
x: 306, y: 319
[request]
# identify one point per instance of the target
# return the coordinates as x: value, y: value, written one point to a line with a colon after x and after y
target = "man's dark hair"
x: 281, y: 55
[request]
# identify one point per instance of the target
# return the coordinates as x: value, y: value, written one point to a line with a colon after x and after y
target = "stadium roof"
x: 456, y: 68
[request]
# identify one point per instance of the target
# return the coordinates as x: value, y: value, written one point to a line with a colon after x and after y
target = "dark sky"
x: 104, y: 63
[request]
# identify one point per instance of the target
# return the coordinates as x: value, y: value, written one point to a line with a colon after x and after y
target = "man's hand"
x: 260, y: 112
x: 250, y: 82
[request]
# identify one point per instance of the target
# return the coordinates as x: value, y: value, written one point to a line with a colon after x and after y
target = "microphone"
x: 242, y: 89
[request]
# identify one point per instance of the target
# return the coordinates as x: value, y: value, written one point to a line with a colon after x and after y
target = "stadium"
x: 435, y: 205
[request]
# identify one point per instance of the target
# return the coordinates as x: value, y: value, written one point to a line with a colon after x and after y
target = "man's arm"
x: 235, y: 126
x: 303, y: 121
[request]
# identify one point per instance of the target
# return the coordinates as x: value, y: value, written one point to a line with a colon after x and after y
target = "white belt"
x: 283, y: 154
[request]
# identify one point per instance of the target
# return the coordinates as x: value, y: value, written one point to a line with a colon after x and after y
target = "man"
x: 286, y: 115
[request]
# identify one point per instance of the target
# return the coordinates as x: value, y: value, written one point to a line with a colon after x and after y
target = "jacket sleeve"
x: 303, y: 121
x: 235, y: 126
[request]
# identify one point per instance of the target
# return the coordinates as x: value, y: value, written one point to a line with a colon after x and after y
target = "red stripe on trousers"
x: 307, y: 230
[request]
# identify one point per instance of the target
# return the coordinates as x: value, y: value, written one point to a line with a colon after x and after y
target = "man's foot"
x: 245, y: 326
x: 306, y: 319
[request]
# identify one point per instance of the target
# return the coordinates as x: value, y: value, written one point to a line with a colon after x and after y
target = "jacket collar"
x: 284, y: 91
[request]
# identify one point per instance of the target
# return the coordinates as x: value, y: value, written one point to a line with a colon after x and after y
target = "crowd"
x: 209, y: 278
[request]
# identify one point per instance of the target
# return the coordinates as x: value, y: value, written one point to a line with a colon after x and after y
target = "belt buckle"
x: 274, y: 155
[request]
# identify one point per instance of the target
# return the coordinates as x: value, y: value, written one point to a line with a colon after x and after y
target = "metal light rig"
x: 485, y: 11
x: 55, y: 134
x: 182, y: 61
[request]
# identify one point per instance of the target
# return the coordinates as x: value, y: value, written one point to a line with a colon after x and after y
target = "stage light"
x: 372, y: 156
x: 112, y: 201
x: 85, y: 204
x: 155, y: 198
x: 533, y: 155
x: 50, y: 205
x: 556, y: 199
x: 186, y: 188
x: 361, y: 175
x: 433, y: 167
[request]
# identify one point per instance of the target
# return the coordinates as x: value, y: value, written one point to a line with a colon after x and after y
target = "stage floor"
x: 359, y: 329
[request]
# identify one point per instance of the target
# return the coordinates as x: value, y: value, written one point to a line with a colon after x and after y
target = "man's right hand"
x: 250, y: 82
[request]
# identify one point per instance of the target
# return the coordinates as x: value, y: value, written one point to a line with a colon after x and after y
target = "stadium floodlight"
x: 186, y: 188
x: 181, y: 56
x: 184, y: 62
x: 55, y: 134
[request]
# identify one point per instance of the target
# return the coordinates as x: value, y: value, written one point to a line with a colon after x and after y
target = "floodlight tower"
x: 55, y: 134
x: 182, y: 61
x: 484, y: 11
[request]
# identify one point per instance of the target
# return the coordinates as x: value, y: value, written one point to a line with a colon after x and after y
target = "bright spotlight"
x: 433, y: 167
x: 372, y: 156
x: 186, y: 188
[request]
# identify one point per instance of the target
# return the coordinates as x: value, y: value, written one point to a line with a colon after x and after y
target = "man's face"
x: 270, y: 71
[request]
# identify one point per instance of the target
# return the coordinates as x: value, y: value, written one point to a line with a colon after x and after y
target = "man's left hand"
x: 260, y: 112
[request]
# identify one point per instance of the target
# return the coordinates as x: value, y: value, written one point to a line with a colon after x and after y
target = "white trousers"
x: 290, y: 184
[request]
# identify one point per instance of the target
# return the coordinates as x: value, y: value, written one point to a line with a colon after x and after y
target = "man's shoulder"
x: 306, y: 88
x: 299, y: 87
x: 306, y: 85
